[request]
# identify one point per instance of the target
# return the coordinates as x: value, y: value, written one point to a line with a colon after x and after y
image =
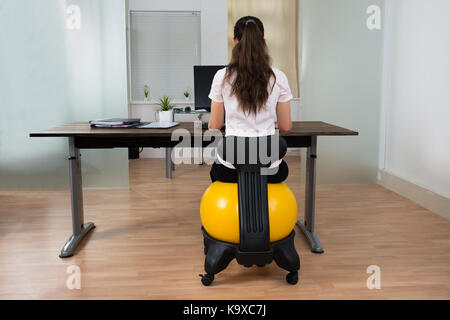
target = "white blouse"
x: 240, y: 124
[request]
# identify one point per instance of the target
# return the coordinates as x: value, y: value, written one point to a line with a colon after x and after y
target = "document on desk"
x: 157, y: 125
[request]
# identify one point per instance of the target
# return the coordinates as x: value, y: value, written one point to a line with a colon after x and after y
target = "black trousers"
x: 225, y: 174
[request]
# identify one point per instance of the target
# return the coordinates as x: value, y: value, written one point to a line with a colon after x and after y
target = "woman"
x: 251, y: 95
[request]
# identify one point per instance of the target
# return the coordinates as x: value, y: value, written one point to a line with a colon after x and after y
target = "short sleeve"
x: 216, y: 87
x: 285, y: 90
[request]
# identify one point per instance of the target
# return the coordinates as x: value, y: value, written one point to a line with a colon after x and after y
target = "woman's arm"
x: 284, y: 116
x: 217, y: 118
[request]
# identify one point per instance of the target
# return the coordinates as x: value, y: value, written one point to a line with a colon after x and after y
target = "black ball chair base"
x: 254, y: 247
x: 219, y: 254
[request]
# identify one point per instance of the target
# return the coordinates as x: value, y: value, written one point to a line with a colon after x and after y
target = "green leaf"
x: 165, y: 103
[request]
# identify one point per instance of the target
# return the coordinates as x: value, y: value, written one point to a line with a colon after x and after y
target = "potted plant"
x: 187, y: 93
x: 165, y: 112
x: 146, y: 92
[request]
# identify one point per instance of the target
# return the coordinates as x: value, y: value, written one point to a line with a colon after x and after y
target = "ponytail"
x: 251, y: 65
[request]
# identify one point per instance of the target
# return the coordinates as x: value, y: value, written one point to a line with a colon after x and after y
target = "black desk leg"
x: 80, y: 229
x: 307, y: 225
x: 169, y: 164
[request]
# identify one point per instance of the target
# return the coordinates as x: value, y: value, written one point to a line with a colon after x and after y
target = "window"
x: 164, y: 47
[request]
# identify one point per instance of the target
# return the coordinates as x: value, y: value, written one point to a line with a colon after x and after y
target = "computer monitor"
x: 203, y: 77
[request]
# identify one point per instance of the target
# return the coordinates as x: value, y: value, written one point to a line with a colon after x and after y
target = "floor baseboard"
x: 422, y: 196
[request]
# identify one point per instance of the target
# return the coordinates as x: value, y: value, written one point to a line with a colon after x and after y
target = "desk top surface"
x: 83, y: 129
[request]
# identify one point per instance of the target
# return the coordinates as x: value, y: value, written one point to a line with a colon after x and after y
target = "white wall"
x: 417, y: 95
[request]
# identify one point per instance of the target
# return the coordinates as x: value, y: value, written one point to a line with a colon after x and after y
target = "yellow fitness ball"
x: 219, y: 211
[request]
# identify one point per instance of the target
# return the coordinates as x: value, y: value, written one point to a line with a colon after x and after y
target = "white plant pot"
x: 186, y: 98
x: 165, y: 116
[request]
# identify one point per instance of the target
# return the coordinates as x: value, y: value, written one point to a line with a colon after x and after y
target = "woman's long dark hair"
x: 251, y: 65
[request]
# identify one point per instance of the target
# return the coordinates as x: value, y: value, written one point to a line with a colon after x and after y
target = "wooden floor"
x: 148, y: 244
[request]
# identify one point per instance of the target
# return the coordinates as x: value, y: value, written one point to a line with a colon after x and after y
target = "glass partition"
x: 340, y: 84
x: 60, y: 62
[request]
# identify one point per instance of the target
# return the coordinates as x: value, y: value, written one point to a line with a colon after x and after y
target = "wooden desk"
x: 81, y: 136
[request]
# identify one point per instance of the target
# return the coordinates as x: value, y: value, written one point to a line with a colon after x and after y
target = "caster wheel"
x: 248, y: 265
x: 261, y: 265
x: 292, y: 277
x: 207, y: 279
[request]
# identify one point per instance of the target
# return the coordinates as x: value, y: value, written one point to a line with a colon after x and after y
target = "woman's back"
x: 240, y: 122
x: 250, y: 95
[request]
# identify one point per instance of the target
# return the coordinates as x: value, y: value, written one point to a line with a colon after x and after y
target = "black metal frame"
x: 108, y: 142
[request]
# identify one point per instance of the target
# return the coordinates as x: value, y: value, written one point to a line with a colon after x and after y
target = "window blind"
x: 164, y: 48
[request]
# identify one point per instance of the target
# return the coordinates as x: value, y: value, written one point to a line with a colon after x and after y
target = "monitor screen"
x: 203, y: 77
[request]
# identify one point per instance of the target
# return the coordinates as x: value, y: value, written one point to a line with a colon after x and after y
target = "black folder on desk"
x: 115, y: 123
